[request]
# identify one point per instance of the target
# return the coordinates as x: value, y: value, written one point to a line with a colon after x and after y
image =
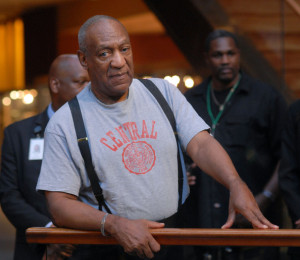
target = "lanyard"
x: 222, y: 107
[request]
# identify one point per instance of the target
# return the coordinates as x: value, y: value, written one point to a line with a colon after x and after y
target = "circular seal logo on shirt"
x: 138, y: 157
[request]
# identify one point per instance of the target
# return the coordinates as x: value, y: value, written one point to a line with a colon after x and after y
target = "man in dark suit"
x: 22, y: 153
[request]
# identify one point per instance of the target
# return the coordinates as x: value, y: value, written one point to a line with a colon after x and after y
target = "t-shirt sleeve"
x: 58, y: 171
x: 188, y: 122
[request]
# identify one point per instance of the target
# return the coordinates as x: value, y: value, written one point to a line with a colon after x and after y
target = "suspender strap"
x: 83, y: 144
x: 170, y: 115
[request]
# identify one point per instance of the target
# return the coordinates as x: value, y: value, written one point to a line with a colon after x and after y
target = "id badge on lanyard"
x: 36, y: 149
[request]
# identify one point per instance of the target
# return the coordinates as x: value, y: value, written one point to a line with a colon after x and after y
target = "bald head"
x: 88, y: 23
x: 66, y: 79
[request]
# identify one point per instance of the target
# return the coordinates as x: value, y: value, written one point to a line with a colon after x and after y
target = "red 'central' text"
x: 127, y: 132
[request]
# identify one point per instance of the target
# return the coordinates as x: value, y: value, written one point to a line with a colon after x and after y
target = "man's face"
x: 223, y: 59
x: 108, y: 60
x: 72, y: 80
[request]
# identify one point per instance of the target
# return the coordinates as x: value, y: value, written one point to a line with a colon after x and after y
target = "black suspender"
x: 83, y: 144
x: 169, y: 113
x: 86, y: 153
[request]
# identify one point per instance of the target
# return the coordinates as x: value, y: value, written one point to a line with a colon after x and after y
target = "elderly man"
x: 22, y: 154
x: 133, y: 150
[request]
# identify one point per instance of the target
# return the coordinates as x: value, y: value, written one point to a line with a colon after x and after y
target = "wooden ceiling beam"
x: 265, y: 24
x: 265, y: 7
x: 185, y: 25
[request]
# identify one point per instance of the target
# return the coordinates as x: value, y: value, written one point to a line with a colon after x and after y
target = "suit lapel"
x: 41, y: 122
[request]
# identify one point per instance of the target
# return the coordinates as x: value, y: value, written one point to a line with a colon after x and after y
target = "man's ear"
x: 54, y: 85
x: 82, y: 59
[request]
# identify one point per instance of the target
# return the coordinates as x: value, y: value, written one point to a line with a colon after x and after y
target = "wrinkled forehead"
x: 106, y: 30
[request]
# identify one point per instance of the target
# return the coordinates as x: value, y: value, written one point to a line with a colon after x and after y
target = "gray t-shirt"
x: 133, y: 151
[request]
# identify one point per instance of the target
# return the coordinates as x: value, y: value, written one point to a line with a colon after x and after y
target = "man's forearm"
x: 68, y: 212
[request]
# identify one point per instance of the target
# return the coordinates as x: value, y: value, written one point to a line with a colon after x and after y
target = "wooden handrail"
x: 173, y: 236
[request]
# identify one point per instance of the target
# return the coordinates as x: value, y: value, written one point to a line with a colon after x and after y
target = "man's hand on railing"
x: 134, y: 235
x: 263, y: 203
x: 242, y: 201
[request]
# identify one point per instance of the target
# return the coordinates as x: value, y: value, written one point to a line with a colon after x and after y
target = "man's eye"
x: 125, y: 49
x: 103, y: 54
x: 217, y: 55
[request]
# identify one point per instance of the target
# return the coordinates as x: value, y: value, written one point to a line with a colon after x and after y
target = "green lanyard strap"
x: 222, y: 107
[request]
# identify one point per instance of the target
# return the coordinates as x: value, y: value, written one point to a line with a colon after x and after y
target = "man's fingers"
x: 148, y: 249
x: 153, y: 224
x: 230, y: 220
x: 256, y: 219
x: 262, y: 221
x: 259, y: 221
x: 191, y: 179
x: 154, y: 245
x: 147, y: 253
x: 266, y: 222
x: 135, y: 237
x: 249, y: 208
x: 143, y: 255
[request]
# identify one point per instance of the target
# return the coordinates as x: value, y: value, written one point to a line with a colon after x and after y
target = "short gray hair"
x: 86, y: 25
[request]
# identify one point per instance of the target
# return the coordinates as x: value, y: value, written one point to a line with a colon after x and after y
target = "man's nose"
x: 118, y: 60
x: 225, y: 59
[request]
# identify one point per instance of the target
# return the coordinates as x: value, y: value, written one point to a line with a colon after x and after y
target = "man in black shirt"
x: 246, y: 117
x: 289, y: 172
